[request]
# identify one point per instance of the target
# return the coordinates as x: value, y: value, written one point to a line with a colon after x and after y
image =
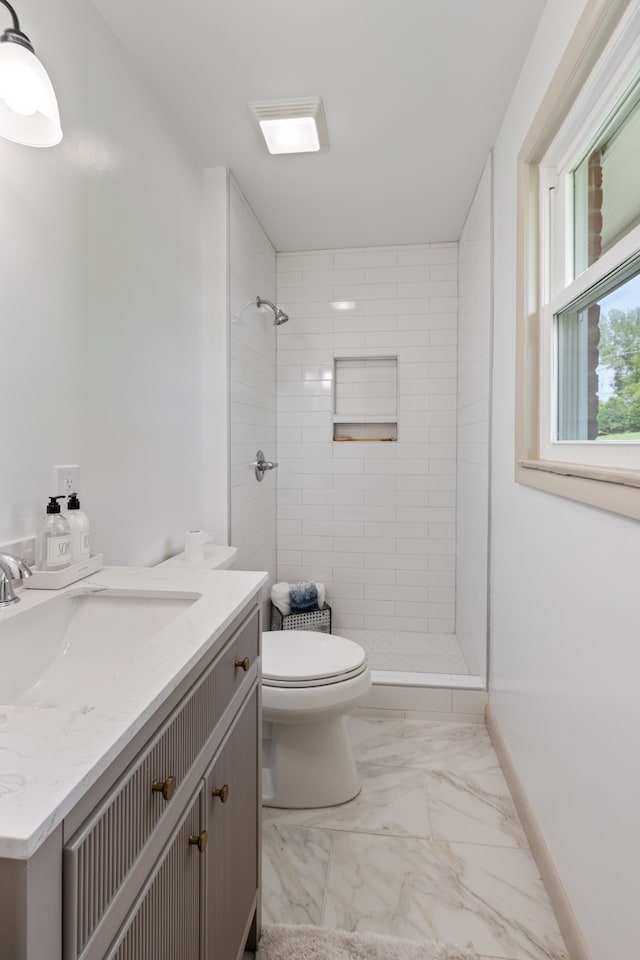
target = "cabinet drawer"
x: 230, y: 669
x: 101, y: 854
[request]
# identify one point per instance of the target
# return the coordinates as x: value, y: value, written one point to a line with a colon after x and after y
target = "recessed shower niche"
x: 365, y: 398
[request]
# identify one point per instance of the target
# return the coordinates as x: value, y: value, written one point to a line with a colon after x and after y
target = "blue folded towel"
x: 303, y: 596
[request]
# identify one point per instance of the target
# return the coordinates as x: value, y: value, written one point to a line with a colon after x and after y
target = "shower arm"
x: 261, y: 300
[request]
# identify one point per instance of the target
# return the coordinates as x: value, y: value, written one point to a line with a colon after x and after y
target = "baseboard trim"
x: 571, y: 933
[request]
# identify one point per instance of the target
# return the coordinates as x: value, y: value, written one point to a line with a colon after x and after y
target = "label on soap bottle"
x: 84, y: 546
x: 58, y: 551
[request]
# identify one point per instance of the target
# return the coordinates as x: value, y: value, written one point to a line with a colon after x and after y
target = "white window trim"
x: 571, y: 108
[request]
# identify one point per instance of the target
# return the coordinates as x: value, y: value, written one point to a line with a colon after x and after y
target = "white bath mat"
x: 284, y: 942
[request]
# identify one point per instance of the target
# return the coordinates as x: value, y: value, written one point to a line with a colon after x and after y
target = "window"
x: 579, y: 262
x: 606, y: 186
x: 597, y: 384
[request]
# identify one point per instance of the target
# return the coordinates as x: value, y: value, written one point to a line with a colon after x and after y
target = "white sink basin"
x: 58, y: 652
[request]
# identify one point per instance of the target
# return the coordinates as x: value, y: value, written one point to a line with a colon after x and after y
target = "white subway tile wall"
x: 474, y: 374
x: 252, y: 375
x: 375, y: 521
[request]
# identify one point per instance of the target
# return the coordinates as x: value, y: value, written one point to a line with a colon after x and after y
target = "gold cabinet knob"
x: 165, y: 787
x: 199, y: 840
x: 243, y: 663
x: 222, y: 792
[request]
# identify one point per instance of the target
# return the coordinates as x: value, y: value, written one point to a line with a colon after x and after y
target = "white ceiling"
x: 413, y: 91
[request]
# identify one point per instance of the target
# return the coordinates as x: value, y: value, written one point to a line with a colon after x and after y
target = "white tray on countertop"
x: 57, y: 579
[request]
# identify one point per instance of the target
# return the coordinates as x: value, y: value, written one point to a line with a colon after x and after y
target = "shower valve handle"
x: 261, y: 465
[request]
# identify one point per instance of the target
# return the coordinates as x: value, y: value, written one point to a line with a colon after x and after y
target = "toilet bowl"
x: 309, y: 683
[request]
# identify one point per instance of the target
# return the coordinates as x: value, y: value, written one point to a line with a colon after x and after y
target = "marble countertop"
x: 50, y: 756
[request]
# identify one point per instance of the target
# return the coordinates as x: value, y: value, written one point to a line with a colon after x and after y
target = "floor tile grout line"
x: 428, y: 803
x: 403, y: 766
x: 326, y: 880
x: 396, y: 836
x: 350, y: 832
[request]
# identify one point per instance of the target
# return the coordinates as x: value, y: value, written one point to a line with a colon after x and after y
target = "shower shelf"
x: 365, y: 398
x: 365, y: 429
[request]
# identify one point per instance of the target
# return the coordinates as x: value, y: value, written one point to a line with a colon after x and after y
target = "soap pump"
x: 53, y: 539
x: 79, y: 525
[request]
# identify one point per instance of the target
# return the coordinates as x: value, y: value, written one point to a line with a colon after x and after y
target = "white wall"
x: 474, y: 374
x: 565, y: 660
x: 374, y: 521
x: 215, y: 437
x: 252, y: 365
x: 100, y: 271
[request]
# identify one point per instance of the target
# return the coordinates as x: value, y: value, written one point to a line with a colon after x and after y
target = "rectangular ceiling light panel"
x: 292, y: 126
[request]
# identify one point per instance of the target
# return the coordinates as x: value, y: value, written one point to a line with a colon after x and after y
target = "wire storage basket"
x: 318, y: 620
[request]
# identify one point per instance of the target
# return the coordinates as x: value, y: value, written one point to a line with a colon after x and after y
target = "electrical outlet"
x: 66, y: 479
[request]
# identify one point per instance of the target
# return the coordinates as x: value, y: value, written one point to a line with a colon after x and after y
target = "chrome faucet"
x: 11, y: 568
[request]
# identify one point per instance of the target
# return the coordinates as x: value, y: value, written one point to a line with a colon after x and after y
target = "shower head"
x: 279, y: 316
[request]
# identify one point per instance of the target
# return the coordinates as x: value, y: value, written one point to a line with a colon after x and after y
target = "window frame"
x: 593, y: 75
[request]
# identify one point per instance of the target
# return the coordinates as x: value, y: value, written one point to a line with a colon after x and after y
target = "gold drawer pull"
x: 199, y: 840
x: 165, y: 787
x: 222, y: 792
x: 243, y: 663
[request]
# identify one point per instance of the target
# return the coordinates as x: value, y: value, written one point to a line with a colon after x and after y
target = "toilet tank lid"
x: 308, y: 655
x: 216, y: 557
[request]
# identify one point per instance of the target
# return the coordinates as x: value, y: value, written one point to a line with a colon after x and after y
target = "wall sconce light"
x: 28, y: 106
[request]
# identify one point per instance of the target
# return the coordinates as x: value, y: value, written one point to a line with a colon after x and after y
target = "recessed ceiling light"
x: 292, y: 126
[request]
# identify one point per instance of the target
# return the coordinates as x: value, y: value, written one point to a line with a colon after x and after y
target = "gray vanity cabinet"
x: 163, y: 868
x: 151, y: 864
x: 200, y: 899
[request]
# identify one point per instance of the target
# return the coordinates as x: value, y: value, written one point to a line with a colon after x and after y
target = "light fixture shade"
x: 28, y: 107
x: 290, y: 135
x: 292, y: 126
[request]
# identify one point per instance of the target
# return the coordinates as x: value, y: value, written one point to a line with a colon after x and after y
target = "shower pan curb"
x: 425, y: 696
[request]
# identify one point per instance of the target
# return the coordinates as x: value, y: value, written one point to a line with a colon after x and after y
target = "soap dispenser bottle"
x: 53, y: 539
x: 79, y: 526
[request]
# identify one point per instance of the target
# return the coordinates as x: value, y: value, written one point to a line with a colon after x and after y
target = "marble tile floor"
x: 410, y: 652
x: 431, y: 848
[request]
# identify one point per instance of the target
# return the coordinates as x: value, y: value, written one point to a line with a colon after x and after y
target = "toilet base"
x: 309, y: 765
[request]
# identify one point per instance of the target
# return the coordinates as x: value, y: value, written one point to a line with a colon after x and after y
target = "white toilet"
x: 309, y: 683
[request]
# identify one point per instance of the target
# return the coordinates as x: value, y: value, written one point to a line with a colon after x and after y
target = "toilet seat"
x: 306, y: 658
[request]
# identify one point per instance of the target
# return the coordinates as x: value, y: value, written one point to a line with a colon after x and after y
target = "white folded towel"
x: 280, y: 597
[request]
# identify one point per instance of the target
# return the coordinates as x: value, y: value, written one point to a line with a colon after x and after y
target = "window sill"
x: 612, y: 489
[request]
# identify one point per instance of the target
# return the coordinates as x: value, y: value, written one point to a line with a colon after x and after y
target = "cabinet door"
x: 232, y: 821
x: 165, y: 921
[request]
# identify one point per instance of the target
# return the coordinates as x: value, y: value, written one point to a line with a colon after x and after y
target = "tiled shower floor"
x: 410, y: 652
x: 432, y: 848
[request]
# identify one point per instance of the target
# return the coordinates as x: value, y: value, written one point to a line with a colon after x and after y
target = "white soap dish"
x: 57, y: 579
